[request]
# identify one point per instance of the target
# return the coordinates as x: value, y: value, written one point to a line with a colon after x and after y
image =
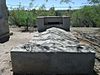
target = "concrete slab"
x: 52, y: 63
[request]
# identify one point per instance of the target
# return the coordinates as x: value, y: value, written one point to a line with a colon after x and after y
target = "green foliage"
x: 94, y: 1
x: 65, y: 1
x: 52, y: 12
x: 43, y: 12
x: 87, y: 16
x: 61, y: 1
x: 22, y: 17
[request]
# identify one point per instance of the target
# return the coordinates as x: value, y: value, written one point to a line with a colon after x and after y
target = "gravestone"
x: 4, y: 28
x: 54, y: 51
x: 45, y: 22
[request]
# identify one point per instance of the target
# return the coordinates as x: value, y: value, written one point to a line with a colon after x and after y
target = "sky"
x: 51, y: 3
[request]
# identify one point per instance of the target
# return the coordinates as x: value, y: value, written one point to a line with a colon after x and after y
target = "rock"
x: 54, y: 40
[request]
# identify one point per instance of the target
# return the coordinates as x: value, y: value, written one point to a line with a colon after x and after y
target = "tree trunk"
x: 27, y: 28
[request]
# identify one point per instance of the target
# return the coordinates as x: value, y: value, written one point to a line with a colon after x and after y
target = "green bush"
x: 22, y: 18
x: 87, y: 16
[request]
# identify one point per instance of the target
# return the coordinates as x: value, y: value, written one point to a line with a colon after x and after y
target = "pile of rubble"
x: 54, y: 40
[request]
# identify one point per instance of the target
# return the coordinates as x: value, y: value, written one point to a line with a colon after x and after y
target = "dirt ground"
x: 19, y: 37
x: 94, y: 32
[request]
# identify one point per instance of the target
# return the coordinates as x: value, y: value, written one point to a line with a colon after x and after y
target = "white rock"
x: 54, y: 40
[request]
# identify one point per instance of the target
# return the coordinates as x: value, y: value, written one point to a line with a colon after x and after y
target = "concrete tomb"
x: 45, y: 22
x: 54, y: 51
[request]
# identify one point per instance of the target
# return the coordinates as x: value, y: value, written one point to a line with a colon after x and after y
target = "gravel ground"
x: 19, y: 37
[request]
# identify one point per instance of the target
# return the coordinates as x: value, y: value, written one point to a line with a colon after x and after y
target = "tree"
x: 62, y: 1
x: 87, y: 16
x: 94, y: 1
x: 22, y: 17
x: 52, y: 11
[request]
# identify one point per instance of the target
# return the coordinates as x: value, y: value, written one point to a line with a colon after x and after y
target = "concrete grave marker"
x: 45, y: 22
x: 54, y: 51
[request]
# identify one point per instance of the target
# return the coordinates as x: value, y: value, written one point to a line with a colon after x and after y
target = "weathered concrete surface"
x: 52, y: 63
x: 53, y: 52
x: 4, y: 28
x: 45, y: 22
